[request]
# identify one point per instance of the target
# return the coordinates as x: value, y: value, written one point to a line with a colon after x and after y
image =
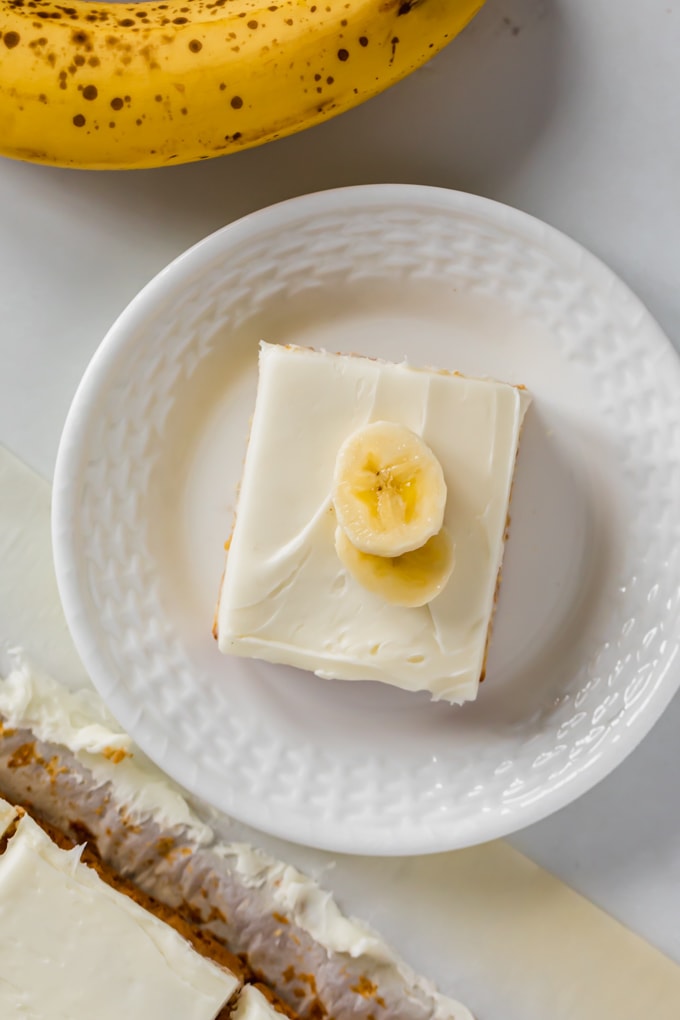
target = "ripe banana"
x: 389, y: 491
x: 412, y: 579
x: 103, y: 85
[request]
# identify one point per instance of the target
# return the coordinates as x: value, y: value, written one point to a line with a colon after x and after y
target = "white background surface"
x: 568, y: 109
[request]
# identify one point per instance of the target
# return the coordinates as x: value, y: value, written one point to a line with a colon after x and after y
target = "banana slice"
x: 412, y: 579
x: 389, y: 491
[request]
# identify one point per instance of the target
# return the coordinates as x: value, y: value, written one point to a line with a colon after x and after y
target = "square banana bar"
x: 371, y: 521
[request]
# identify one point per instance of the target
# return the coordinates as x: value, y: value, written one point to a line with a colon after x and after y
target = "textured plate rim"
x: 72, y: 452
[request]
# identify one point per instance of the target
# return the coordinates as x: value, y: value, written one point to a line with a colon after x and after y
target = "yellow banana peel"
x: 109, y: 86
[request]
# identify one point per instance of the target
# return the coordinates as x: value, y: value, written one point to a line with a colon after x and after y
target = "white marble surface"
x: 567, y: 109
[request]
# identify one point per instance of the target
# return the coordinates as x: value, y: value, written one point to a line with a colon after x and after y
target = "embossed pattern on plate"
x: 583, y: 659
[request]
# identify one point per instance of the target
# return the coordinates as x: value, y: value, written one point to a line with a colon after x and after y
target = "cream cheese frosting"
x: 72, y: 947
x: 312, y: 908
x: 252, y: 1005
x: 7, y: 815
x: 286, y: 597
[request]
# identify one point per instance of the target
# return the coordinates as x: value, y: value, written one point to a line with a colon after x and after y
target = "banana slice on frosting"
x: 389, y: 496
x: 412, y: 579
x: 389, y: 491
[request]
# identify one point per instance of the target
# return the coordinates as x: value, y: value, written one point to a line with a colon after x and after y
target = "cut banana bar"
x: 72, y: 947
x: 62, y: 752
x: 371, y: 521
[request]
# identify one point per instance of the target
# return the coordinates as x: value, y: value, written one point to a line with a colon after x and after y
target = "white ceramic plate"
x: 588, y: 625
